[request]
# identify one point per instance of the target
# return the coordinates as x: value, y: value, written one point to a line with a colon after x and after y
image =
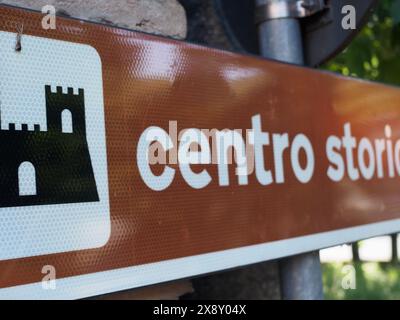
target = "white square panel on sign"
x: 53, y: 166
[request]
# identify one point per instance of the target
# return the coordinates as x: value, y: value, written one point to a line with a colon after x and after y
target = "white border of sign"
x: 138, y: 276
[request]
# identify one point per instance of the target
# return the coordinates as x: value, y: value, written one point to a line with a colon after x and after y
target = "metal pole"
x: 280, y: 39
x: 300, y: 276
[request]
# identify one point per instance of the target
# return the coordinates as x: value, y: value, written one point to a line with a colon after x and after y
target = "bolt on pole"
x: 280, y: 39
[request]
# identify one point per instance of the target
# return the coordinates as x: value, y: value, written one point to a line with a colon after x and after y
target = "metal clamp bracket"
x: 278, y: 9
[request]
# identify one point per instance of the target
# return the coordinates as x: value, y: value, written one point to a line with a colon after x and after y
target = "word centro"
x: 194, y: 149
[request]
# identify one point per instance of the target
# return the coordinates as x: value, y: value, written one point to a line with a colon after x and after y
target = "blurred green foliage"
x: 379, y: 281
x: 375, y: 53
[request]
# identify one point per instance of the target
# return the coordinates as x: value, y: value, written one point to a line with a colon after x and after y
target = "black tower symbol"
x: 48, y: 167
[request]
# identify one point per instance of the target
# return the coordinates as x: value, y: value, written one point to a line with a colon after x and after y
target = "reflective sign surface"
x: 129, y: 159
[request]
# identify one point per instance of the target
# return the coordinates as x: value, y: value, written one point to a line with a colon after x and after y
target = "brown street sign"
x: 129, y: 159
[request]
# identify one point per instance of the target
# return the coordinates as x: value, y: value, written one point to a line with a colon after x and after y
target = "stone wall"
x: 162, y: 17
